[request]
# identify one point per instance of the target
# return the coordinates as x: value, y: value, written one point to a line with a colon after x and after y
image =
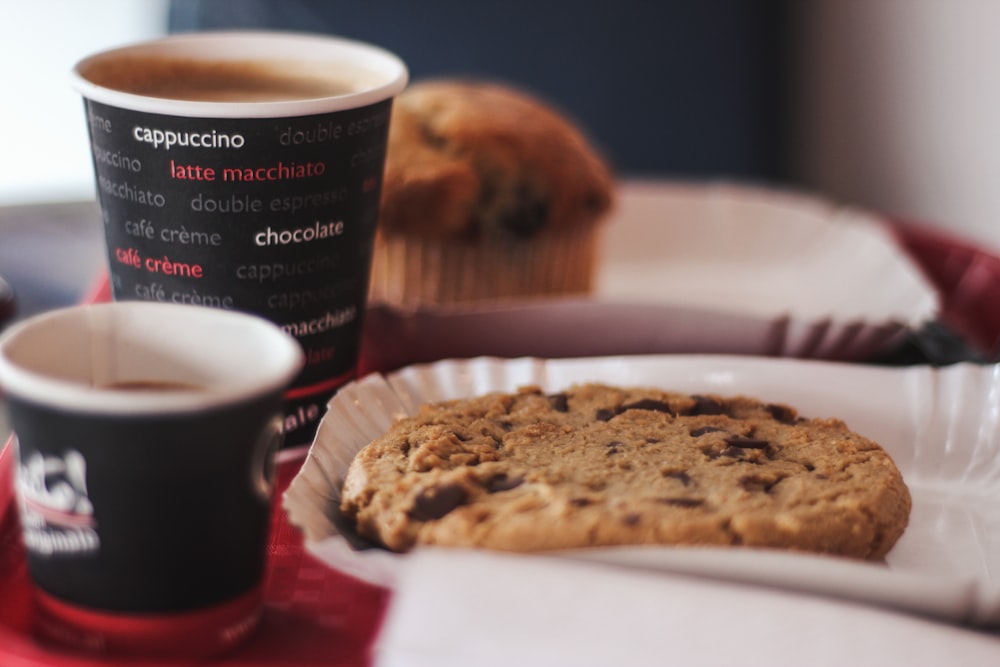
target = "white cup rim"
x: 245, y: 44
x: 251, y: 358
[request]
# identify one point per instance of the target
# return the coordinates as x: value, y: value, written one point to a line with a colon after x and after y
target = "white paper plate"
x: 942, y: 427
x: 759, y: 252
x: 690, y: 268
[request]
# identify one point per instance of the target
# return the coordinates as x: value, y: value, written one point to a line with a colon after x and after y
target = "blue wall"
x: 686, y: 88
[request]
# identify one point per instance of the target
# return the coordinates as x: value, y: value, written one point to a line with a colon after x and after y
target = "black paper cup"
x: 145, y: 470
x: 242, y: 171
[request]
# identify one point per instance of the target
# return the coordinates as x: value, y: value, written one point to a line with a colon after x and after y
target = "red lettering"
x: 169, y: 267
x: 128, y: 257
x: 191, y: 172
x: 278, y: 172
x: 319, y: 355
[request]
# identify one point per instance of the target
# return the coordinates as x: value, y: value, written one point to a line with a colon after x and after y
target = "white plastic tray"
x: 702, y: 269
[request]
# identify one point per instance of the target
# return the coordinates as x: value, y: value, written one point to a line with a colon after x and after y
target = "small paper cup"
x: 146, y: 435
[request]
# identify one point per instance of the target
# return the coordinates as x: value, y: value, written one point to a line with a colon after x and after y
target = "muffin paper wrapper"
x: 410, y: 270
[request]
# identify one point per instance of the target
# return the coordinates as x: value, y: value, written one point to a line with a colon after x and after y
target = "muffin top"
x: 467, y: 159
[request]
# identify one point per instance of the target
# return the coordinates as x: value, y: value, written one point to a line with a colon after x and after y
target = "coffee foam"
x: 226, y: 80
x: 281, y: 74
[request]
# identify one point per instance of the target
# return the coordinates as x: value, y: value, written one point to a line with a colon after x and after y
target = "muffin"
x: 489, y: 194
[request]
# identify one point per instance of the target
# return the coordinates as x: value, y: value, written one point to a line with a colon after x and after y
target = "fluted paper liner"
x: 410, y: 270
x: 941, y: 427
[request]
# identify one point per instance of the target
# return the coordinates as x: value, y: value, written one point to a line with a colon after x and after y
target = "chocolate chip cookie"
x: 599, y: 465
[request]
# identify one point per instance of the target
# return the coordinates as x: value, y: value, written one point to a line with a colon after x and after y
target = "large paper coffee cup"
x: 243, y: 171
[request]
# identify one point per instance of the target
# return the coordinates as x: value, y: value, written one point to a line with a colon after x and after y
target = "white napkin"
x: 457, y: 608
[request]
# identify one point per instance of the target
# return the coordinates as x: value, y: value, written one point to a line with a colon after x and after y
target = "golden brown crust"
x: 471, y: 158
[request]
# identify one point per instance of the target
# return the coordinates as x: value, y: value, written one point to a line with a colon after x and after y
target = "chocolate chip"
x: 604, y: 414
x: 506, y: 426
x: 503, y: 482
x: 758, y: 483
x: 435, y: 502
x: 679, y: 475
x: 431, y: 137
x: 559, y: 402
x: 648, y: 404
x: 651, y: 440
x: 595, y: 201
x: 698, y: 432
x: 746, y: 443
x: 579, y: 502
x: 782, y: 413
x: 713, y: 452
x: 703, y: 405
x: 631, y: 519
x: 527, y: 216
x: 681, y: 502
